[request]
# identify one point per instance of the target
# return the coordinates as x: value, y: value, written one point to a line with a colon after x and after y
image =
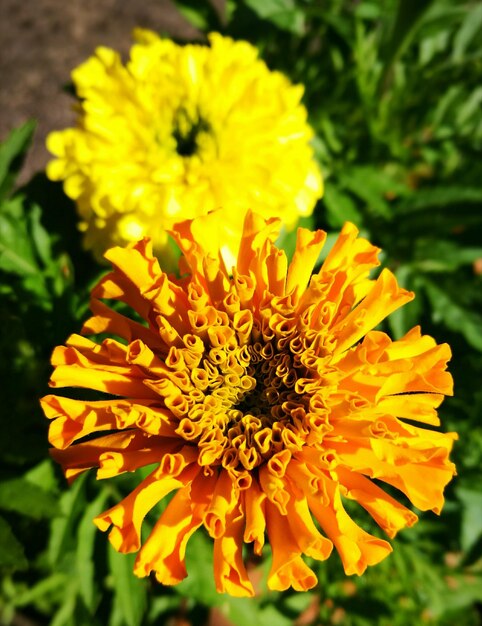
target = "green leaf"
x: 42, y: 588
x: 130, y: 592
x: 374, y: 186
x: 471, y: 530
x: 85, y: 550
x: 408, y: 316
x: 271, y: 615
x: 200, y: 582
x: 340, y: 207
x: 439, y: 255
x: 328, y: 135
x: 440, y: 197
x: 16, y: 251
x: 407, y: 18
x: 12, y: 556
x: 62, y: 536
x: 26, y: 252
x: 470, y: 28
x: 200, y: 14
x: 43, y: 475
x: 241, y: 611
x: 12, y: 151
x: 368, y: 10
x: 465, y: 591
x: 39, y: 236
x: 65, y: 615
x: 282, y: 13
x: 470, y: 108
x: 26, y: 498
x: 446, y: 310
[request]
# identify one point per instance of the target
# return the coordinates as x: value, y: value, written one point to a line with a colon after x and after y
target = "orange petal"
x: 421, y: 471
x: 127, y: 516
x: 164, y: 550
x: 277, y: 266
x: 288, y: 568
x: 351, y: 253
x: 383, y: 298
x: 309, y: 540
x: 254, y: 504
x: 357, y: 548
x: 308, y: 247
x: 274, y: 488
x: 73, y: 419
x: 108, y: 382
x: 86, y: 455
x: 230, y: 573
x: 257, y: 232
x: 418, y: 407
x: 106, y: 320
x: 223, y: 502
x: 389, y: 514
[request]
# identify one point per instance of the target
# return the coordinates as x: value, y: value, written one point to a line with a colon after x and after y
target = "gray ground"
x: 41, y: 41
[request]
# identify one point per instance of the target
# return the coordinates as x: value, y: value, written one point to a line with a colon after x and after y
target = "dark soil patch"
x: 43, y: 40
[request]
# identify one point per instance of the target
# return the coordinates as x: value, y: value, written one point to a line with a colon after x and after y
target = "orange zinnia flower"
x: 264, y: 398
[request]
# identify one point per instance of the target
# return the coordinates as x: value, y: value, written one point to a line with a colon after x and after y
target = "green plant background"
x: 394, y: 94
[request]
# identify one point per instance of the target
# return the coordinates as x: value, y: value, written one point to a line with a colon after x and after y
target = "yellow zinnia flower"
x: 180, y: 131
x: 264, y: 399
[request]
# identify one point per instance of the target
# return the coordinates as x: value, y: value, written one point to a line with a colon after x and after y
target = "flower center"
x: 186, y: 132
x: 275, y: 375
x: 240, y: 405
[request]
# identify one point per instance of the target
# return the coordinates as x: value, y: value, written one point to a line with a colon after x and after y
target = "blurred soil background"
x: 43, y: 40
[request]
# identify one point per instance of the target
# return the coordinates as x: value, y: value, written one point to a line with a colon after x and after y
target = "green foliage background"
x: 394, y: 94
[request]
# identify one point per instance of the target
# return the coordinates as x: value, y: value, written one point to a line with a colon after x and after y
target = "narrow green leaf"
x: 465, y: 591
x: 408, y: 15
x: 85, y: 550
x: 471, y: 107
x: 43, y: 475
x: 470, y: 28
x: 39, y: 235
x: 200, y: 582
x: 241, y: 611
x: 340, y: 206
x: 201, y: 15
x: 62, y: 536
x: 11, y: 155
x: 130, y: 592
x: 43, y: 587
x: 65, y: 615
x: 282, y: 13
x: 23, y: 497
x: 441, y: 255
x: 329, y: 133
x: 270, y: 614
x: 12, y: 556
x: 16, y: 252
x: 446, y: 310
x: 471, y: 530
x: 373, y: 186
x: 25, y: 250
x: 445, y: 104
x: 440, y: 197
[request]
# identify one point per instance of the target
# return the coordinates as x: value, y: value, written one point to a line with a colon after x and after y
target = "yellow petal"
x: 230, y: 574
x: 287, y: 568
x: 164, y: 550
x: 357, y: 548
